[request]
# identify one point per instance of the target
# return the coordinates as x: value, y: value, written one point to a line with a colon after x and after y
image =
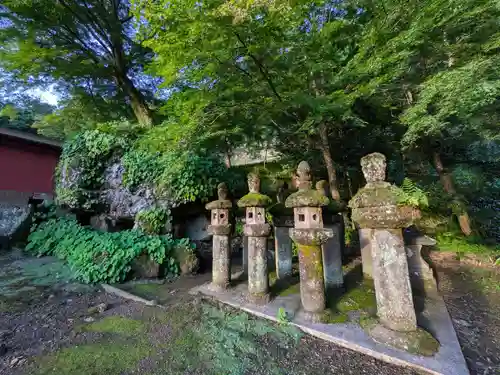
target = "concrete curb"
x: 123, y: 294
x: 449, y: 359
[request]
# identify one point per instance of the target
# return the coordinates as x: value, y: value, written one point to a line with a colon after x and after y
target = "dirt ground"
x: 51, y: 325
x: 472, y: 296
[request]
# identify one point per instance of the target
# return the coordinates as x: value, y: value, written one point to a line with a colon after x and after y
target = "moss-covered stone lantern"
x: 220, y: 229
x: 309, y: 235
x: 256, y: 230
x: 375, y: 206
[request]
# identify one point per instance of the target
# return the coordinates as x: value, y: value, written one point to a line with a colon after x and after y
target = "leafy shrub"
x: 99, y: 256
x: 189, y: 176
x: 141, y: 167
x: 153, y: 220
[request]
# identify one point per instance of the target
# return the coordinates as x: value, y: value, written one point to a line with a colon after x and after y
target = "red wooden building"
x: 27, y: 162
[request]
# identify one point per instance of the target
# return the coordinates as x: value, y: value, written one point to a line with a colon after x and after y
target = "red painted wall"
x: 27, y: 167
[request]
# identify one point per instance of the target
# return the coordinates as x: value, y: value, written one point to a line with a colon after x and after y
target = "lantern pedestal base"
x: 434, y: 318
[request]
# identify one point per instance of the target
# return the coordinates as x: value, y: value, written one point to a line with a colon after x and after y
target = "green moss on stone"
x: 254, y: 200
x: 423, y: 343
x: 306, y: 198
x: 219, y: 204
x: 292, y: 289
x: 367, y: 321
x: 379, y: 195
x: 333, y: 317
x: 362, y: 297
x: 311, y: 255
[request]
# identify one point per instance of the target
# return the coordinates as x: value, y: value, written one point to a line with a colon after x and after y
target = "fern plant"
x: 409, y: 194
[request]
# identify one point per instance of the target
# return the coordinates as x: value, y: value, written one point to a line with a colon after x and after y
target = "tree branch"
x: 261, y: 68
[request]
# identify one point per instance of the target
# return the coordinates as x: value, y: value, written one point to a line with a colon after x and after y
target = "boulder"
x: 143, y: 267
x: 187, y: 259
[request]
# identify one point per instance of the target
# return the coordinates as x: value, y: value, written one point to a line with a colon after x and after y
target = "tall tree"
x: 272, y: 70
x: 438, y: 62
x: 88, y: 43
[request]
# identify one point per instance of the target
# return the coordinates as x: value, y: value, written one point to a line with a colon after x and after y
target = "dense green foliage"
x: 153, y: 220
x: 97, y: 256
x: 87, y: 49
x: 327, y: 81
x: 180, y: 176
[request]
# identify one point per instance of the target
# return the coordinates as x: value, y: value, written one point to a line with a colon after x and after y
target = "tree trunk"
x: 324, y: 147
x: 449, y: 187
x: 139, y: 106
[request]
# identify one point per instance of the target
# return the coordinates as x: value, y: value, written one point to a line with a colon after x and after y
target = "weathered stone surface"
x: 392, y: 283
x: 332, y: 258
x: 145, y: 268
x: 124, y: 203
x: 11, y: 217
x: 221, y: 266
x: 375, y: 207
x: 365, y: 238
x: 120, y: 201
x: 197, y: 228
x: 221, y: 229
x: 309, y: 235
x: 416, y: 342
x: 100, y: 223
x: 222, y: 202
x: 258, y: 280
x: 373, y: 166
x: 14, y: 220
x: 187, y: 259
x: 283, y: 252
x: 312, y: 287
x: 244, y: 255
x: 421, y: 274
x: 305, y: 197
x: 256, y: 231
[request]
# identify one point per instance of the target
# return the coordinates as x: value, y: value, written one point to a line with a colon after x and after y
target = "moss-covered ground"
x: 198, y: 337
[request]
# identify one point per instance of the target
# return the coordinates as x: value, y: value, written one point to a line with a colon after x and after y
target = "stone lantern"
x: 332, y: 249
x: 256, y: 230
x: 376, y: 207
x: 220, y: 229
x: 309, y: 235
x: 282, y: 221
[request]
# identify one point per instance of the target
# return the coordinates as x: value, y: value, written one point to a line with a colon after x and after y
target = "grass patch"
x: 117, y: 324
x: 486, y: 280
x: 108, y: 358
x: 456, y: 243
x: 223, y: 342
x: 201, y: 339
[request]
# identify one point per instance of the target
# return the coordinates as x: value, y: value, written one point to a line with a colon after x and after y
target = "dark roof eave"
x: 30, y: 137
